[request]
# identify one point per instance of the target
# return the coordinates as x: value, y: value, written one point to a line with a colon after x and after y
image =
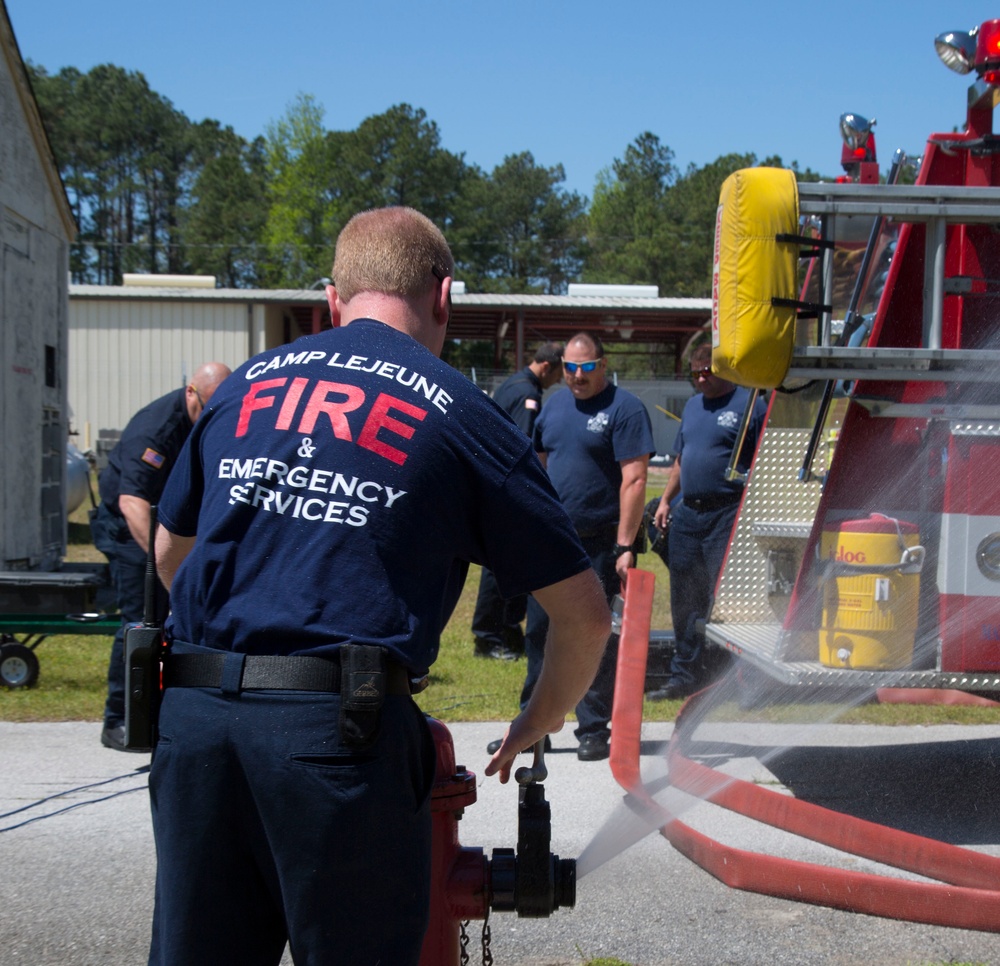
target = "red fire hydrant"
x: 464, y: 883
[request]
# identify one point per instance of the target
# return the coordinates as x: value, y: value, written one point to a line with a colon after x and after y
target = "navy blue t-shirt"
x: 705, y: 441
x: 520, y: 396
x: 585, y: 441
x: 339, y: 487
x: 141, y: 461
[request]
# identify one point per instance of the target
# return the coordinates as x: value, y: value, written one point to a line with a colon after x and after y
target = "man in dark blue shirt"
x: 496, y: 622
x: 291, y: 781
x: 595, y: 441
x: 129, y: 485
x: 699, y: 525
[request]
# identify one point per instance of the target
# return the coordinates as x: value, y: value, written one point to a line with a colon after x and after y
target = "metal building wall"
x: 35, y: 229
x: 124, y: 353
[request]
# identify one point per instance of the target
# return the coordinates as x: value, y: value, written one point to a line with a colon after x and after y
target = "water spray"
x: 964, y: 895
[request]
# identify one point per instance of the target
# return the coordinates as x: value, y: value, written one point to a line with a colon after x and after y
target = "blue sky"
x: 574, y: 83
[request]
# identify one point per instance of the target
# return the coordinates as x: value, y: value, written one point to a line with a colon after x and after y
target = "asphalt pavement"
x: 77, y: 863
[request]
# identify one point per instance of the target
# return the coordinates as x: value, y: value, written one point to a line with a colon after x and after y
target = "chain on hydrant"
x: 465, y: 885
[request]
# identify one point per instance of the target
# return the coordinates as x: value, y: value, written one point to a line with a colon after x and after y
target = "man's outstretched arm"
x: 579, y: 626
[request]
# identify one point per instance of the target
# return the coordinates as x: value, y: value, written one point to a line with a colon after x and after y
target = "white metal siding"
x: 34, y: 232
x: 124, y: 354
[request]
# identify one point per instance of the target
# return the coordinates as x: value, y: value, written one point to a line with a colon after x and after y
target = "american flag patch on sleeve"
x: 152, y: 458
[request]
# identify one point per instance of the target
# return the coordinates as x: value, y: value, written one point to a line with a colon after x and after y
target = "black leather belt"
x: 267, y: 672
x: 704, y: 504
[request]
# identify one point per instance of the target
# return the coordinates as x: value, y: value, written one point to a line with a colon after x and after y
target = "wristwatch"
x: 621, y: 548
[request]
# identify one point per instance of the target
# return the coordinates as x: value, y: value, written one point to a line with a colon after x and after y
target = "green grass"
x: 71, y: 684
x: 73, y: 671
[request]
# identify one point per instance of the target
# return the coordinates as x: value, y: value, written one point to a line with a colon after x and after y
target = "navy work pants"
x: 698, y: 542
x: 268, y: 828
x: 594, y: 710
x: 496, y: 622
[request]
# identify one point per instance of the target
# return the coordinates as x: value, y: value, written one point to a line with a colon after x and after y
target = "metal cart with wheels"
x: 37, y: 604
x: 21, y: 634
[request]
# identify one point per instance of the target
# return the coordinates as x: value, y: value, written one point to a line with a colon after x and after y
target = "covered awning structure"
x: 516, y: 323
x: 513, y: 324
x: 129, y: 343
x: 520, y: 321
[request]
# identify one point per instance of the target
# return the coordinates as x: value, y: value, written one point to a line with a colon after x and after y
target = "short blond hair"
x: 394, y: 251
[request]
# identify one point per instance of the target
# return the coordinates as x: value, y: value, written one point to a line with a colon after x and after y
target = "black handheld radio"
x: 143, y: 651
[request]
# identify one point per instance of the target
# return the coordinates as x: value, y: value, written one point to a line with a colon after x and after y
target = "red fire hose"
x: 964, y: 897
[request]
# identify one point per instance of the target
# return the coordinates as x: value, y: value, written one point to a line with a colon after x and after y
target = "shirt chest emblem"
x: 598, y: 423
x: 728, y: 419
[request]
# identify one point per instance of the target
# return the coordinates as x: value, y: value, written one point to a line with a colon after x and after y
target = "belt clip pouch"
x: 362, y: 693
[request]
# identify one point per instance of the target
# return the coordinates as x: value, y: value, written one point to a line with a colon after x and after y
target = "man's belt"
x: 706, y: 503
x: 267, y: 672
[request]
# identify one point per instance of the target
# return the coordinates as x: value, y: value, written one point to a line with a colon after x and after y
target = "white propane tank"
x: 77, y: 478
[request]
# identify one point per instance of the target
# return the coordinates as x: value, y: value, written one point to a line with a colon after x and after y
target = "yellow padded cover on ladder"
x: 752, y: 340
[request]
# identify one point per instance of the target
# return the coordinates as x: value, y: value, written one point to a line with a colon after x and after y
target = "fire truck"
x: 866, y: 552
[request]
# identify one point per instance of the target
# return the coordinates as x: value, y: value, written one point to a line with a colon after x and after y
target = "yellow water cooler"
x: 871, y: 589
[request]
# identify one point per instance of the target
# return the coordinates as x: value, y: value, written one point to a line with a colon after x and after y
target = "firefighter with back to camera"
x: 130, y: 485
x: 290, y: 783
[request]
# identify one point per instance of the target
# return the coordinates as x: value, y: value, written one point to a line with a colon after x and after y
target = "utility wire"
x: 70, y: 791
x: 69, y: 808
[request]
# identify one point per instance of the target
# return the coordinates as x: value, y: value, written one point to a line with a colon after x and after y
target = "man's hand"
x: 662, y: 516
x: 623, y: 564
x: 661, y: 519
x: 520, y: 736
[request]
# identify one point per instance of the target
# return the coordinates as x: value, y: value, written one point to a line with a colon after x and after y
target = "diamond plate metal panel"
x: 761, y: 645
x: 777, y: 514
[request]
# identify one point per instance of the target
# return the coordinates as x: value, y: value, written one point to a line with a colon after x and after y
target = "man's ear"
x: 442, y: 304
x: 334, y: 302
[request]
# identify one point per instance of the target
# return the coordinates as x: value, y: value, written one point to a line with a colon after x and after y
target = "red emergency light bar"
x: 977, y: 49
x: 988, y: 45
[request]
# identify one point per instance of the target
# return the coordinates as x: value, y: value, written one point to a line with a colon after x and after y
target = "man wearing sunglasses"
x: 699, y: 524
x: 595, y: 441
x: 496, y: 622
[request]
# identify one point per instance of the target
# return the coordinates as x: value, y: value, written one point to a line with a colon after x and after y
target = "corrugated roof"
x: 312, y: 297
x: 194, y: 294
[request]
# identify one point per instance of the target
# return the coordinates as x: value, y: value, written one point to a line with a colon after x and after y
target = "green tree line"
x: 153, y: 191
